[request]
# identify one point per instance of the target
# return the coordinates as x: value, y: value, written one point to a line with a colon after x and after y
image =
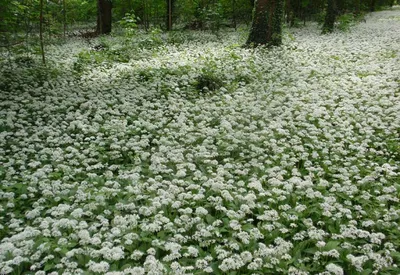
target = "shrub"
x: 345, y: 22
x: 24, y: 60
x: 128, y: 23
x: 208, y: 81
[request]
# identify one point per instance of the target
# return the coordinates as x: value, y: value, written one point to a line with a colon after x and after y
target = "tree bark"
x: 104, y: 17
x: 169, y: 15
x: 288, y: 10
x: 64, y: 18
x: 234, y: 21
x: 266, y: 28
x: 330, y: 17
x: 41, y: 33
x: 145, y: 17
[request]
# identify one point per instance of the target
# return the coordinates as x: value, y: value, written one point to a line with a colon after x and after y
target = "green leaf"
x: 48, y: 266
x: 81, y: 259
x: 247, y: 227
x: 395, y: 255
x: 210, y: 219
x: 332, y: 245
x: 161, y: 235
x: 366, y: 272
x: 311, y: 250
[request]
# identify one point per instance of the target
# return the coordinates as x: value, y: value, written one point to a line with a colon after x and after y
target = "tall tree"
x: 170, y: 4
x: 234, y: 14
x: 64, y: 18
x: 266, y: 28
x: 41, y: 32
x: 330, y: 17
x: 104, y: 17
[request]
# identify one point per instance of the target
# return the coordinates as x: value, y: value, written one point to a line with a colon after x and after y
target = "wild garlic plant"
x: 290, y: 166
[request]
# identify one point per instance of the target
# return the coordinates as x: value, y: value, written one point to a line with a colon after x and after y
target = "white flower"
x: 357, y: 262
x: 201, y: 263
x: 246, y: 256
x: 334, y: 269
x: 201, y: 211
x: 6, y: 270
x: 101, y: 267
x: 134, y: 271
x: 231, y: 263
x: 181, y: 173
x: 112, y: 254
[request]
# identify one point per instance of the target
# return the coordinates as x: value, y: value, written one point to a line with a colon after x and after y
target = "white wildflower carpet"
x: 196, y: 156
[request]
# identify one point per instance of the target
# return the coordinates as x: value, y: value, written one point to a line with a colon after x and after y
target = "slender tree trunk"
x: 104, y: 16
x: 266, y: 28
x: 64, y: 18
x: 41, y: 32
x: 330, y: 17
x: 234, y: 14
x: 48, y: 23
x: 169, y: 15
x: 287, y: 11
x: 146, y: 22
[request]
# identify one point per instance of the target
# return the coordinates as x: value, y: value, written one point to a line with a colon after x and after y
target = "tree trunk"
x: 64, y: 18
x: 330, y: 17
x: 288, y: 11
x: 266, y: 28
x: 41, y: 32
x: 104, y: 16
x: 169, y: 15
x: 145, y: 17
x: 234, y: 21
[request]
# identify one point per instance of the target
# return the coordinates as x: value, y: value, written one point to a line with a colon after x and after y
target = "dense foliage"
x: 22, y: 16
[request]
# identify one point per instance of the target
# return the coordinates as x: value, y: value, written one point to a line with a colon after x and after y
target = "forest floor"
x: 186, y: 153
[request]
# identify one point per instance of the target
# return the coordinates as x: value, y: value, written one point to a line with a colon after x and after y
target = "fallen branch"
x: 12, y: 44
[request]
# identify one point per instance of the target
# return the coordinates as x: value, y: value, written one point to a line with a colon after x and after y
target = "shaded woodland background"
x: 20, y: 20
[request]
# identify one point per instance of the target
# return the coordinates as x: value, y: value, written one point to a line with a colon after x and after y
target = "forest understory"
x: 186, y: 153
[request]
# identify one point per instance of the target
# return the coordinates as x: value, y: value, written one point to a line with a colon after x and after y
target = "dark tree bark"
x: 104, y: 16
x: 234, y: 21
x: 64, y: 18
x: 266, y: 28
x: 145, y: 17
x: 288, y: 11
x: 41, y: 32
x: 330, y: 17
x: 169, y: 14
